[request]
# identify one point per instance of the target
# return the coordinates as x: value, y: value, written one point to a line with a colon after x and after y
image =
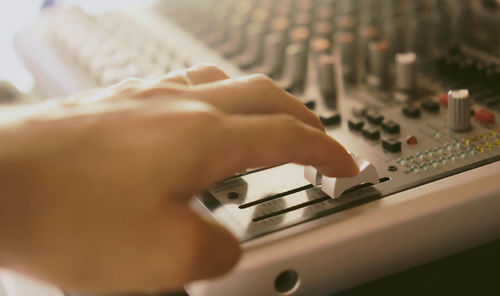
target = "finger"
x: 255, y: 94
x: 80, y: 97
x: 264, y: 141
x: 200, y: 74
x: 100, y: 94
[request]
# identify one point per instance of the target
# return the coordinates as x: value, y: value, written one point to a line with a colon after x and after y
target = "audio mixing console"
x: 411, y: 88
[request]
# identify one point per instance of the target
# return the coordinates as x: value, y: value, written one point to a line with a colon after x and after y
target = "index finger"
x: 255, y: 94
x: 271, y: 140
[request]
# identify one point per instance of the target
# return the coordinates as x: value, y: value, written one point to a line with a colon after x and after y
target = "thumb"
x: 203, y: 248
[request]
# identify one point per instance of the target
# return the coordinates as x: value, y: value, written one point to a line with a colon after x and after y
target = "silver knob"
x: 459, y: 105
x: 406, y: 72
x: 327, y: 74
x: 295, y: 68
x: 378, y: 74
x: 274, y: 54
x: 255, y: 46
x: 346, y: 43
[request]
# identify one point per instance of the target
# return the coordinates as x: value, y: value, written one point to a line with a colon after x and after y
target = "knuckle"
x: 290, y: 124
x: 209, y: 67
x: 127, y: 86
x: 262, y: 79
x: 160, y: 89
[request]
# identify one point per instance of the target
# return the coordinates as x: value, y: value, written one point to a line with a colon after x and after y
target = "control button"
x: 254, y: 52
x: 356, y: 124
x: 327, y: 79
x: 438, y: 150
x: 443, y: 99
x: 274, y: 54
x: 323, y: 29
x: 411, y: 111
x: 346, y: 44
x: 374, y: 117
x: 484, y: 116
x: 459, y: 110
x: 430, y: 106
x: 392, y: 145
x: 236, y: 40
x: 359, y: 112
x: 334, y: 187
x: 300, y: 35
x: 378, y: 64
x: 424, y: 166
x: 371, y: 133
x: 312, y: 175
x: 320, y: 46
x: 311, y: 105
x: 296, y: 68
x: 406, y: 72
x: 333, y: 119
x: 391, y: 127
x: 411, y: 140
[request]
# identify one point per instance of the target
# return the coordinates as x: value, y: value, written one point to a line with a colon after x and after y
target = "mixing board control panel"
x: 399, y: 83
x: 390, y: 81
x: 410, y: 88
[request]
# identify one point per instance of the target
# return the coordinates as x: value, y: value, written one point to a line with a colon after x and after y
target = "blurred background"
x: 16, y: 82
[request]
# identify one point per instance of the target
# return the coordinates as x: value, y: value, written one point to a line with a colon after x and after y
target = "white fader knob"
x: 459, y: 104
x: 334, y: 187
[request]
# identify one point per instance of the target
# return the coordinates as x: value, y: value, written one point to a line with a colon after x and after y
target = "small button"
x: 411, y: 111
x: 411, y: 140
x: 391, y: 127
x: 392, y: 145
x: 311, y: 105
x: 371, y: 133
x: 374, y: 117
x: 443, y: 99
x: 424, y: 166
x: 430, y: 106
x: 333, y: 119
x: 484, y: 116
x: 359, y: 112
x: 356, y: 124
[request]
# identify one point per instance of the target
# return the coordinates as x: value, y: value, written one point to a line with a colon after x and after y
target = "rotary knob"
x: 406, y: 72
x: 459, y: 105
x: 327, y: 74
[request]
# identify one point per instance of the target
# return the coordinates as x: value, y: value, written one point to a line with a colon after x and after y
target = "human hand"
x: 95, y: 193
